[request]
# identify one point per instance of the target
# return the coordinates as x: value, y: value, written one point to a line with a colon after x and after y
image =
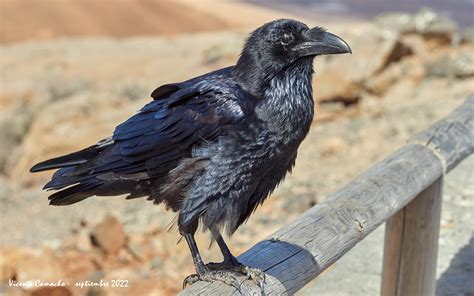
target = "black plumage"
x: 211, y: 148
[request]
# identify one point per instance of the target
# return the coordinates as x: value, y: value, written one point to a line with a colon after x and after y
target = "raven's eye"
x: 286, y: 39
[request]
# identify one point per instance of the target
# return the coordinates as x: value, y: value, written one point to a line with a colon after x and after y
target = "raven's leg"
x: 231, y: 263
x: 228, y: 257
x: 203, y: 272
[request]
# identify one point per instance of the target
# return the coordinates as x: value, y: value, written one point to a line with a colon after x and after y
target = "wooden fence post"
x: 411, y: 246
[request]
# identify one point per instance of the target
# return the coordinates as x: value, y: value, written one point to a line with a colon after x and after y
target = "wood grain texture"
x: 451, y: 138
x: 299, y: 251
x: 411, y: 245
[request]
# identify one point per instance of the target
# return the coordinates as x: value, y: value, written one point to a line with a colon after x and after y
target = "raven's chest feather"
x: 248, y: 162
x: 288, y: 106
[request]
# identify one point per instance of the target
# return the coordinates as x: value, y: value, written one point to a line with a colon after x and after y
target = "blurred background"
x: 71, y: 70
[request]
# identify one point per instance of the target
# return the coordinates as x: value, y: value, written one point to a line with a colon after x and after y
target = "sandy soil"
x: 23, y: 20
x: 47, y: 19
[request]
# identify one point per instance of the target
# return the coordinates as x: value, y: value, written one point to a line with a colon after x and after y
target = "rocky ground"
x: 58, y: 96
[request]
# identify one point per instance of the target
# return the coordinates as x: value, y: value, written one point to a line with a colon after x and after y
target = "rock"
x: 83, y: 241
x: 80, y: 239
x: 463, y: 65
x: 156, y: 262
x: 467, y: 35
x: 414, y: 69
x: 76, y: 265
x: 8, y: 270
x: 332, y: 145
x: 441, y: 67
x: 379, y: 84
x: 399, y: 51
x: 416, y: 43
x: 426, y: 22
x: 334, y: 84
x: 459, y: 64
x: 429, y: 22
x: 329, y: 110
x: 396, y: 21
x: 44, y: 266
x: 109, y: 236
x: 410, y: 68
x: 137, y: 250
x: 10, y: 257
x: 125, y: 257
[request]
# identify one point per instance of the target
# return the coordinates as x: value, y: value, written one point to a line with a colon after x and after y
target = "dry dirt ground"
x: 24, y: 20
x: 62, y: 95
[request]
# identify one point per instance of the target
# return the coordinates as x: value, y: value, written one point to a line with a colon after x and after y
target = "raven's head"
x: 276, y: 45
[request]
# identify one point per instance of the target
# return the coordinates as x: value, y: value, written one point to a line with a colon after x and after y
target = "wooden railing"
x: 404, y: 190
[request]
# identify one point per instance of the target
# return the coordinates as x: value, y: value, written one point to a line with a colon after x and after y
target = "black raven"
x: 211, y: 148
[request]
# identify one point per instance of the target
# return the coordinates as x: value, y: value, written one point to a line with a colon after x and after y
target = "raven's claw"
x: 213, y: 275
x: 254, y: 274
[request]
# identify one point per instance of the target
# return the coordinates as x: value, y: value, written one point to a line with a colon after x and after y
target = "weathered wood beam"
x: 411, y: 245
x: 299, y: 251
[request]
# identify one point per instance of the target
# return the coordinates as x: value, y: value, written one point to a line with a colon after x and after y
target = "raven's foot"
x: 208, y: 275
x: 254, y: 274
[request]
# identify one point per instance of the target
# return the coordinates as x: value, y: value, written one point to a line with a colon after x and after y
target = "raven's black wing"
x: 148, y: 146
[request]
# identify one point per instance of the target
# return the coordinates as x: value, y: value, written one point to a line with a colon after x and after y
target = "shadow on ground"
x: 459, y: 273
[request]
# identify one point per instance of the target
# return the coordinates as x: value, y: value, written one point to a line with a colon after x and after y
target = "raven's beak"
x: 318, y: 42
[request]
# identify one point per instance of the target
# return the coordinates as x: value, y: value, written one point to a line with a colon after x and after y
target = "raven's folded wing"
x: 165, y: 130
x: 153, y: 142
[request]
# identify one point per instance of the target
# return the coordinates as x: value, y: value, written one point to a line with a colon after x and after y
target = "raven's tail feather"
x: 74, y: 193
x: 72, y: 159
x: 75, y: 185
x: 58, y: 162
x: 77, y: 180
